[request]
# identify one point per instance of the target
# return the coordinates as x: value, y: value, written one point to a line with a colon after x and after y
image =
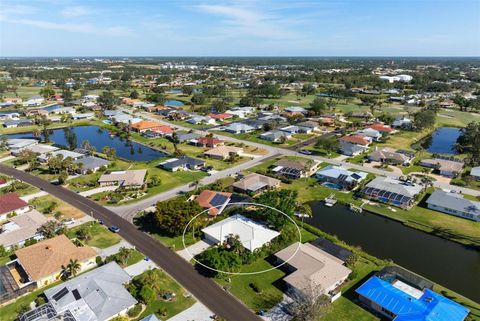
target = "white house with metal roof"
x: 454, y: 204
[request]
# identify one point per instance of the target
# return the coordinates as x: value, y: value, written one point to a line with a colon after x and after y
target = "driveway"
x: 98, y: 190
x: 30, y: 197
x: 194, y: 249
x: 277, y: 313
x: 113, y: 249
x: 140, y: 267
x: 197, y: 312
x: 6, y: 158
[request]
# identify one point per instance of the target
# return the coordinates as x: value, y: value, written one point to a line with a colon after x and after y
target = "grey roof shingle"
x: 454, y: 201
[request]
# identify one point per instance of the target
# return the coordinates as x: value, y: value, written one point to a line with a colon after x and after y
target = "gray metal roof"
x: 454, y: 201
x: 95, y: 295
x: 92, y: 162
x: 475, y: 171
x: 394, y: 186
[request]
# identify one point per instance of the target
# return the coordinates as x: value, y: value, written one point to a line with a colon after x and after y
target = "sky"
x: 240, y: 28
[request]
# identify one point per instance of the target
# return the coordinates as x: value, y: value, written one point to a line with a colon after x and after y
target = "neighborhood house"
x: 215, y: 202
x: 128, y: 178
x: 454, y: 204
x: 255, y: 183
x: 392, y: 191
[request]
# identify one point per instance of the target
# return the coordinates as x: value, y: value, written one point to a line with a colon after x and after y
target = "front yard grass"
x: 50, y: 205
x: 101, y: 236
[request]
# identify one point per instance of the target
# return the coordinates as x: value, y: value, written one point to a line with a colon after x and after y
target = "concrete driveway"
x: 194, y: 249
x: 197, y: 312
x: 113, y: 249
x: 140, y: 267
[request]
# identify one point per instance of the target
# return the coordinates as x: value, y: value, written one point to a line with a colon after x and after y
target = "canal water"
x: 99, y: 138
x: 450, y: 264
x: 442, y: 141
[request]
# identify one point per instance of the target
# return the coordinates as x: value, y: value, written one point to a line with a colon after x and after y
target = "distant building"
x: 354, y: 144
x: 475, y: 172
x: 388, y: 155
x: 276, y: 136
x: 223, y: 152
x: 448, y: 168
x: 256, y: 183
x: 238, y: 128
x: 182, y: 163
x: 454, y: 204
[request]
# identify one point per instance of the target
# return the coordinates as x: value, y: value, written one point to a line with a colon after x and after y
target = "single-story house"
x: 10, y: 203
x: 295, y: 168
x: 96, y: 295
x: 276, y: 136
x: 374, y: 134
x: 238, y: 128
x: 126, y: 119
x: 354, y: 144
x: 475, y: 172
x: 83, y: 116
x: 90, y: 163
x: 64, y: 110
x: 241, y: 112
x: 207, y: 141
x: 293, y: 129
x: 214, y: 201
x: 454, y: 204
x: 37, y: 149
x: 313, y: 125
x: 18, y: 144
x: 392, y: 191
x: 17, y: 229
x: 312, y: 269
x: 382, y: 128
x: 198, y: 120
x: 343, y: 178
x: 223, y: 116
x: 17, y: 123
x: 255, y: 183
x: 62, y: 152
x: 295, y: 109
x: 144, y: 125
x: 388, y: 155
x: 44, y: 261
x: 186, y: 137
x: 397, y: 300
x: 448, y: 168
x: 112, y: 113
x: 402, y: 122
x: 182, y: 163
x: 252, y: 235
x: 33, y: 101
x: 128, y: 178
x: 223, y: 152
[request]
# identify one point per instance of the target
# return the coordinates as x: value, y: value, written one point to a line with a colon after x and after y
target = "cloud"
x: 253, y: 22
x: 71, y: 27
x: 16, y: 9
x: 75, y: 11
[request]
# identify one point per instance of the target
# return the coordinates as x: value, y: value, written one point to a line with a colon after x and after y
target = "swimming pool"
x: 332, y: 185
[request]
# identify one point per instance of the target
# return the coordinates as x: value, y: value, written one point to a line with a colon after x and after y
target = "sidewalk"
x: 197, y: 312
x: 6, y: 158
x: 113, y: 249
x: 194, y: 249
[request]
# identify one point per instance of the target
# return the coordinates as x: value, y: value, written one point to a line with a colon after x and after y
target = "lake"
x: 100, y: 138
x: 174, y: 103
x: 450, y: 264
x: 442, y: 141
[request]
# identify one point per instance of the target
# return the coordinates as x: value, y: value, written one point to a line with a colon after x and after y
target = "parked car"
x: 69, y: 221
x: 305, y: 151
x: 114, y: 229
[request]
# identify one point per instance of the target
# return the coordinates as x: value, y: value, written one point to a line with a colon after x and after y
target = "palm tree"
x: 72, y: 268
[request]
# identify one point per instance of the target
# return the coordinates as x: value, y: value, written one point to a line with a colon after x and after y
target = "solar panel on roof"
x: 76, y: 294
x: 60, y: 294
x: 218, y: 200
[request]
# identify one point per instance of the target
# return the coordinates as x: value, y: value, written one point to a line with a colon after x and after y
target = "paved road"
x: 204, y: 289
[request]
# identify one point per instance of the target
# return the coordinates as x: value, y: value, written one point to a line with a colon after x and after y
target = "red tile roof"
x: 220, y: 116
x: 356, y: 139
x: 206, y: 197
x: 209, y: 141
x: 382, y: 128
x: 163, y: 129
x: 11, y: 202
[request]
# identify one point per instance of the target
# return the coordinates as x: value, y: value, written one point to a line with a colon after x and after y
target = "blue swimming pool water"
x: 174, y: 103
x: 332, y: 186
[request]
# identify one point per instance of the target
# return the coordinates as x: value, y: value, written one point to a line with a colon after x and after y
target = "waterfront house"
x: 83, y: 116
x: 17, y: 229
x: 64, y: 110
x: 17, y: 123
x: 295, y: 168
x: 10, y: 203
x: 339, y: 177
x: 312, y: 269
x: 18, y: 144
x: 251, y: 234
x: 255, y: 183
x: 128, y: 179
x: 125, y: 119
x: 382, y: 128
x: 354, y: 144
x: 454, y: 204
x: 63, y: 153
x: 388, y: 155
x: 402, y: 122
x: 223, y: 152
x: 448, y: 168
x: 33, y: 101
x: 44, y: 262
x: 182, y: 163
x: 186, y: 137
x: 238, y: 128
x: 90, y: 164
x: 145, y: 125
x: 36, y: 148
x: 214, y: 201
x: 400, y: 297
x: 392, y: 191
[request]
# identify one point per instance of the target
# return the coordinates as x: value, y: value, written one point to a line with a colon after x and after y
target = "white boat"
x: 330, y: 200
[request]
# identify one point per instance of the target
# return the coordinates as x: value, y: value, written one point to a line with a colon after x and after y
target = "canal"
x: 99, y: 138
x: 447, y: 263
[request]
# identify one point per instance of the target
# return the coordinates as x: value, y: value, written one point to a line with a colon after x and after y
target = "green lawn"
x: 177, y: 305
x: 101, y: 236
x: 24, y: 189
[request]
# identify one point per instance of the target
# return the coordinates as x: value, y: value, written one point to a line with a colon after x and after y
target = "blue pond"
x: 100, y: 138
x: 174, y: 103
x: 443, y: 141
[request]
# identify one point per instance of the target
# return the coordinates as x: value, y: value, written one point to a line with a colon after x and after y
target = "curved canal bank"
x: 450, y: 264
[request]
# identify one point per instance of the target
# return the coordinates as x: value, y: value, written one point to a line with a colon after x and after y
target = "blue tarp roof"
x: 430, y: 306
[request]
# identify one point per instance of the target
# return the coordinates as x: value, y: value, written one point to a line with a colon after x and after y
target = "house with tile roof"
x: 223, y: 152
x: 382, y: 128
x: 207, y: 141
x: 17, y: 229
x: 252, y: 234
x: 10, y: 203
x: 223, y: 116
x: 44, y: 261
x: 354, y: 144
x: 312, y: 269
x: 214, y: 201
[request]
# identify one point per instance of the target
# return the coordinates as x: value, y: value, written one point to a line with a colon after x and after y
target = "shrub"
x: 99, y: 260
x: 135, y: 311
x: 254, y: 286
x: 147, y: 294
x: 40, y: 300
